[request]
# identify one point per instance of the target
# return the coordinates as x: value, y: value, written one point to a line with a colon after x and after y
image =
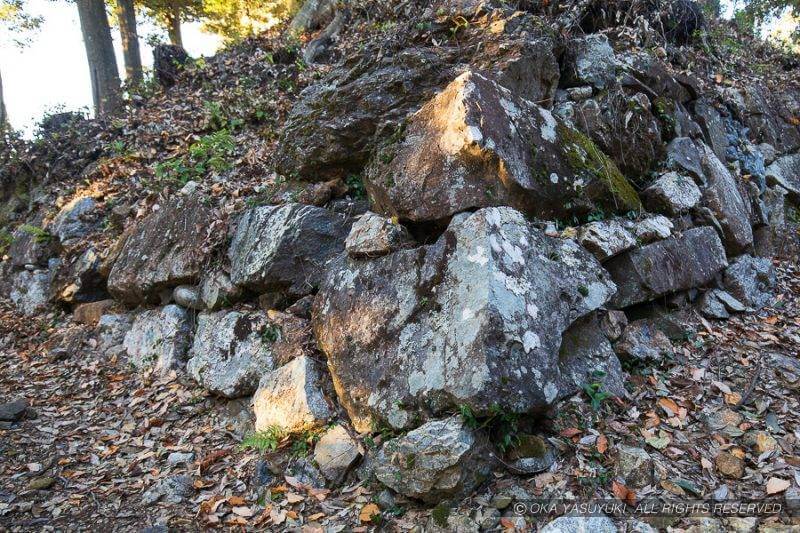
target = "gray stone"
x: 77, y: 279
x: 613, y: 323
x: 531, y: 455
x: 750, y: 280
x: 642, y: 341
x: 495, y: 149
x: 335, y: 453
x: 721, y: 195
x: 162, y: 251
x: 30, y: 291
x: 159, y: 338
x: 652, y: 229
x: 217, y: 290
x: 71, y: 222
x: 768, y: 151
x: 580, y: 524
x: 292, y: 397
x: 785, y: 171
x: 438, y: 460
x: 635, y: 466
x: 374, y: 235
x: 586, y: 356
x: 176, y: 458
x: 286, y: 248
x: 672, y: 194
x: 606, y: 238
x: 305, y: 472
x: 173, y: 489
x: 231, y: 352
x: 475, y: 318
x: 675, y: 264
x: 589, y: 60
x: 30, y: 246
x: 579, y: 94
x: 111, y: 330
x: 714, y: 131
x: 717, y: 303
x: 188, y: 296
x: 13, y: 411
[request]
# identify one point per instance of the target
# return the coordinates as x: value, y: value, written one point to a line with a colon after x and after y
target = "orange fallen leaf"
x: 669, y: 406
x: 602, y: 444
x: 623, y: 493
x: 235, y: 501
x: 569, y: 432
x: 733, y: 398
x: 368, y: 512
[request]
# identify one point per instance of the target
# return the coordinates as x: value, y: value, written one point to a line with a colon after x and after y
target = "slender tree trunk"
x: 126, y: 15
x: 174, y: 26
x: 3, y: 116
x: 96, y: 32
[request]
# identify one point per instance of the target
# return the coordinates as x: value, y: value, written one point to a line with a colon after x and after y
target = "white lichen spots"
x: 533, y: 311
x: 550, y: 392
x: 549, y: 127
x: 513, y: 252
x: 397, y: 418
x: 517, y: 286
x: 467, y: 313
x: 598, y: 294
x: 490, y: 145
x: 531, y: 341
x: 510, y: 108
x: 553, y: 178
x: 479, y: 257
x: 496, y: 248
x: 523, y: 241
x: 493, y: 217
x: 474, y: 134
x: 568, y: 256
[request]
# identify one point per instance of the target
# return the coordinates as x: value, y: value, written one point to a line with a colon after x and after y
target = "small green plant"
x: 271, y: 333
x: 596, y: 394
x: 502, y: 426
x: 6, y: 240
x: 356, y: 186
x: 210, y: 153
x: 40, y: 236
x: 267, y: 440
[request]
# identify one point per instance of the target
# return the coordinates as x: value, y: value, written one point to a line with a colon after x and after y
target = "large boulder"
x: 74, y: 220
x: 292, y: 397
x: 335, y: 124
x: 673, y: 194
x: 675, y: 264
x: 438, y: 460
x: 162, y: 251
x: 286, y: 248
x: 231, y: 352
x: 77, y: 278
x: 474, y: 319
x: 159, y: 338
x: 476, y: 145
x: 589, y: 60
x: 31, y: 245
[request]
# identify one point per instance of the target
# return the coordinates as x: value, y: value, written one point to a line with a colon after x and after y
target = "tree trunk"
x: 3, y: 117
x: 174, y: 26
x: 126, y: 16
x: 106, y: 93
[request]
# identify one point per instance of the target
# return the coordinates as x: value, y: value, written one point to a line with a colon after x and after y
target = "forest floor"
x: 719, y: 420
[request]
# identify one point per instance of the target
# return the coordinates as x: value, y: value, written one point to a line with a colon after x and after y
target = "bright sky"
x: 52, y: 70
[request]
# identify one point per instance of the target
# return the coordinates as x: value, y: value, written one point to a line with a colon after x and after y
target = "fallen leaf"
x: 569, y: 432
x: 368, y: 512
x: 669, y: 406
x: 602, y: 444
x: 623, y: 493
x: 776, y: 485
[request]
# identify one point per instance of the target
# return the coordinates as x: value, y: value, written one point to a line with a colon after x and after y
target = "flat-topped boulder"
x: 476, y: 144
x: 474, y: 319
x: 162, y: 251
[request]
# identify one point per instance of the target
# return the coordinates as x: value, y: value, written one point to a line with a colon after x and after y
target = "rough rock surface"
x: 285, y: 248
x: 475, y: 318
x: 159, y: 338
x: 589, y: 61
x: 580, y: 524
x: 77, y: 279
x: 675, y: 264
x: 717, y: 303
x: 335, y: 453
x: 230, y: 353
x: 440, y: 459
x: 750, y: 280
x: 606, y: 238
x: 476, y: 144
x: 672, y: 194
x: 162, y: 251
x: 785, y: 171
x: 218, y: 291
x: 652, y: 229
x: 292, y: 397
x: 71, y: 222
x: 373, y: 235
x: 111, y: 330
x: 30, y: 291
x: 635, y: 466
x: 643, y: 341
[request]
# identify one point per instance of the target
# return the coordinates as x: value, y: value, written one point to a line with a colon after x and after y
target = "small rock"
x: 704, y: 525
x: 741, y: 524
x: 30, y: 291
x: 173, y: 489
x: 580, y: 524
x: 673, y: 194
x: 635, y: 466
x: 612, y: 324
x: 292, y: 398
x: 305, y: 472
x: 606, y: 238
x: 642, y: 341
x: 40, y: 483
x: 750, y: 280
x: 761, y: 441
x: 717, y: 303
x: 373, y: 235
x: 176, y: 458
x: 439, y: 459
x: 189, y: 189
x: 532, y: 455
x: 722, y: 419
x: 501, y: 501
x: 217, y: 291
x: 14, y: 411
x: 262, y: 475
x: 335, y: 453
x: 188, y: 296
x: 159, y: 338
x: 729, y: 465
x: 90, y: 313
x: 652, y: 229
x: 579, y: 94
